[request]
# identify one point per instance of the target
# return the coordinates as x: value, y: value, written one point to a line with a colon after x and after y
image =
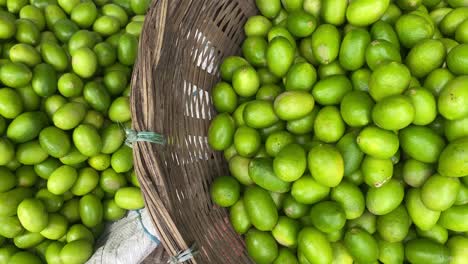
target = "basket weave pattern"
x: 182, y: 44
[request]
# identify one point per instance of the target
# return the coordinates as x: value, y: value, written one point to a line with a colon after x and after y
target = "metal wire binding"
x: 132, y: 136
x: 184, y: 255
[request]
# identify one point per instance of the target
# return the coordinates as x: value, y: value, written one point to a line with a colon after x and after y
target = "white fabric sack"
x: 127, y: 241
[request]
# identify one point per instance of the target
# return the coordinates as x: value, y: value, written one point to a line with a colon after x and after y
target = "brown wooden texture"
x: 182, y: 44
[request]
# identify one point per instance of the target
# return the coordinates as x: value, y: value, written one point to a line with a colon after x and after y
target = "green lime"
x: 225, y: 191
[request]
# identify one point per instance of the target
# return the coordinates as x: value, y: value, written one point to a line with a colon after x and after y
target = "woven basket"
x: 182, y: 44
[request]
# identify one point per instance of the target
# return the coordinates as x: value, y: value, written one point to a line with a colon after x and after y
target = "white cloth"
x: 126, y: 241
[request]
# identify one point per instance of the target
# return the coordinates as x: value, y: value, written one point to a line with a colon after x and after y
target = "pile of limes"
x: 65, y: 69
x: 345, y: 125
